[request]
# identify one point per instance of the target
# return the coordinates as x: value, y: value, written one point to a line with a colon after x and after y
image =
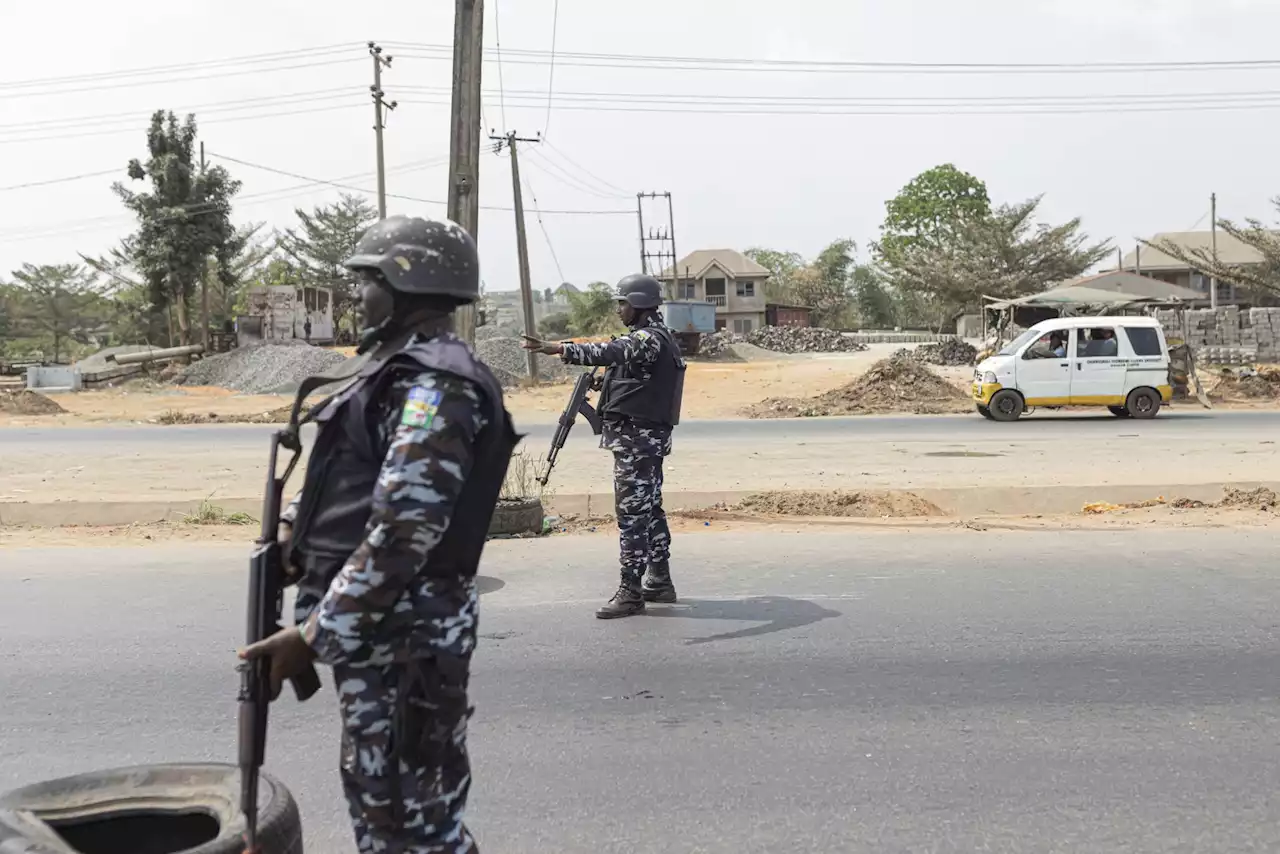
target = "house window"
x: 746, y: 289
x: 715, y: 291
x: 742, y: 325
x: 688, y: 290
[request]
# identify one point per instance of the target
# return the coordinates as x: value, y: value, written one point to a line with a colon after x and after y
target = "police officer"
x: 639, y: 404
x: 387, y: 532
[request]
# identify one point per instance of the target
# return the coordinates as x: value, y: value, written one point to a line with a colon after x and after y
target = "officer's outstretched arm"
x: 637, y: 347
x: 427, y: 463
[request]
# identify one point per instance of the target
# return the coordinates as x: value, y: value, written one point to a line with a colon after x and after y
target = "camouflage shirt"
x: 385, y: 604
x: 639, y: 347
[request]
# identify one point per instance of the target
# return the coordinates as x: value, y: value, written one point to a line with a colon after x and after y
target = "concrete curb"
x: 959, y: 503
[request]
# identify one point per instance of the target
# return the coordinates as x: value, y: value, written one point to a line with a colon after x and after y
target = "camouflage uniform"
x: 399, y: 637
x: 637, y: 450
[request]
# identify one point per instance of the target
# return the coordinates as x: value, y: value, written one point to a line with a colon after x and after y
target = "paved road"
x: 946, y: 692
x: 961, y: 428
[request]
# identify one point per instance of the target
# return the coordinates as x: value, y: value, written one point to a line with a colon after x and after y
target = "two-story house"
x: 727, y: 279
x: 1151, y: 262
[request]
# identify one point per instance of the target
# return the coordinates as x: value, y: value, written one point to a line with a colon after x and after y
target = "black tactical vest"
x: 649, y: 393
x: 342, y: 471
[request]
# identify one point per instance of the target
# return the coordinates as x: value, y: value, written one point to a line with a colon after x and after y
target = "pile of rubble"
x: 838, y: 503
x: 951, y: 352
x: 509, y: 362
x: 26, y: 402
x: 1260, y: 383
x: 780, y: 339
x: 897, y: 384
x: 265, y: 368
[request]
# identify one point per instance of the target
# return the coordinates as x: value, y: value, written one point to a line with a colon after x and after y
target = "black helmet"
x: 421, y: 256
x: 640, y: 291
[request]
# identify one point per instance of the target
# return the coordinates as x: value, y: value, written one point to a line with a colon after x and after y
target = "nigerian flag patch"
x: 420, y: 407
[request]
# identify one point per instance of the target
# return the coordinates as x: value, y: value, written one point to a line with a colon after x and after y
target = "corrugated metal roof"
x: 731, y: 261
x: 1124, y: 282
x: 1230, y: 250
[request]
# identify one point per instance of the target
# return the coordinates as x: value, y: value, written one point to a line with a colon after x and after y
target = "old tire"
x: 1143, y: 403
x: 148, y: 809
x: 985, y: 413
x: 517, y: 516
x: 1006, y: 405
x: 1119, y: 411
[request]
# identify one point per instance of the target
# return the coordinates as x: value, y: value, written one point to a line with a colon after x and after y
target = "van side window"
x: 1144, y: 340
x: 1052, y: 345
x: 1096, y: 343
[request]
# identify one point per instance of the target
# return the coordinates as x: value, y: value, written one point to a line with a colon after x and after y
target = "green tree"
x: 324, y: 239
x: 825, y: 285
x: 183, y: 220
x: 593, y: 311
x: 930, y: 211
x: 1006, y: 255
x: 1256, y: 279
x: 554, y: 326
x: 874, y: 303
x: 783, y: 268
x: 59, y: 304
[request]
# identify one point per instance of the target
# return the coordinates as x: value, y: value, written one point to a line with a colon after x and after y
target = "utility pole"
x: 1213, y: 225
x: 654, y: 243
x: 380, y: 110
x: 522, y: 244
x: 464, y: 144
x: 204, y: 279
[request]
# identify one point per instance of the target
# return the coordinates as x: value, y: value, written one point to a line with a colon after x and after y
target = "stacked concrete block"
x: 1227, y: 336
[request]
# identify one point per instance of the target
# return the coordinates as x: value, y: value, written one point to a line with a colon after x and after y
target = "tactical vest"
x: 342, y: 471
x: 650, y: 393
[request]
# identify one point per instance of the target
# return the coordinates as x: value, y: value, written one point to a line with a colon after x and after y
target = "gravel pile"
x: 953, y: 352
x: 717, y: 344
x: 264, y: 368
x: 509, y: 363
x: 484, y: 333
x: 897, y: 384
x: 803, y: 339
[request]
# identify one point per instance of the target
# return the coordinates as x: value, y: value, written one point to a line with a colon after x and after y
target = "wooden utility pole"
x: 204, y: 281
x: 464, y: 144
x: 522, y: 246
x: 380, y: 110
x: 1213, y: 225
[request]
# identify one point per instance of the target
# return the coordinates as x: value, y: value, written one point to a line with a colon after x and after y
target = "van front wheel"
x: 1119, y: 411
x: 1006, y: 405
x: 985, y: 413
x: 1143, y: 403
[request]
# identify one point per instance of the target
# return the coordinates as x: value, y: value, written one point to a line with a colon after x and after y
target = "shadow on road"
x: 775, y: 613
x: 489, y: 584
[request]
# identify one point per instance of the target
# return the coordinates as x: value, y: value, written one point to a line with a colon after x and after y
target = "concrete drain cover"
x: 960, y: 454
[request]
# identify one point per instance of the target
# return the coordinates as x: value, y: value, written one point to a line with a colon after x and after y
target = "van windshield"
x: 1016, y: 344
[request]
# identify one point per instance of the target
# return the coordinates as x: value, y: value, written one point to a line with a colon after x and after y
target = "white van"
x: 1121, y: 363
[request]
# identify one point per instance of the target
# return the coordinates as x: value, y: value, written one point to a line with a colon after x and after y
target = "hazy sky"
x: 743, y: 172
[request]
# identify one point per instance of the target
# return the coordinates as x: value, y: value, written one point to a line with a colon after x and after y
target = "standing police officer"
x: 387, y: 533
x: 639, y: 404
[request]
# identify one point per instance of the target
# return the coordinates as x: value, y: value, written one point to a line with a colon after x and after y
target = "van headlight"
x: 989, y: 377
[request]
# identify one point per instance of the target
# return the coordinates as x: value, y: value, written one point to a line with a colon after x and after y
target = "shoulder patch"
x: 641, y: 334
x: 420, y: 407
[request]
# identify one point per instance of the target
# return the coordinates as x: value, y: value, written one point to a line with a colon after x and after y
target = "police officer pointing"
x: 639, y: 404
x: 387, y: 533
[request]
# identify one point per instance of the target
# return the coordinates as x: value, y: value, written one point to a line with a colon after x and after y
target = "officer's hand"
x: 549, y: 348
x: 597, y: 382
x: 289, y: 654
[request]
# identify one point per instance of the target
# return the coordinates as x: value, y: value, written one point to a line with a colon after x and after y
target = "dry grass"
x: 209, y: 513
x: 521, y: 481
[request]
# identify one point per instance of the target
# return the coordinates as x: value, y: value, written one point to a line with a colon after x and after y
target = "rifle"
x: 266, y: 601
x: 577, y: 405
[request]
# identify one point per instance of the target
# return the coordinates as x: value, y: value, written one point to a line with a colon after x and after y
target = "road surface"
x: 1045, y: 426
x: 829, y: 692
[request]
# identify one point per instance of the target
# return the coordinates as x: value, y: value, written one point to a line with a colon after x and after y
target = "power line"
x: 542, y: 225
x: 497, y: 35
x: 250, y: 59
x: 690, y: 63
x: 62, y: 180
x: 587, y: 171
x: 167, y: 80
x: 558, y: 173
x: 551, y: 74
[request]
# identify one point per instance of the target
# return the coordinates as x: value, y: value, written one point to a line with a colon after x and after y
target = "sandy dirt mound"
x: 274, y: 416
x: 1252, y: 385
x: 897, y: 384
x: 1261, y: 499
x: 839, y: 503
x: 26, y: 402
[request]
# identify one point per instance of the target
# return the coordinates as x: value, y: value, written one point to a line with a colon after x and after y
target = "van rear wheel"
x: 1143, y: 403
x: 1119, y: 411
x: 1006, y: 405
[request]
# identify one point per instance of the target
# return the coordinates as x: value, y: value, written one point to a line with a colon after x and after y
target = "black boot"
x: 657, y: 586
x: 627, y: 602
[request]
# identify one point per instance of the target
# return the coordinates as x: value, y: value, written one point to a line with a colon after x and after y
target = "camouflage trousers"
x: 405, y: 769
x: 642, y: 523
